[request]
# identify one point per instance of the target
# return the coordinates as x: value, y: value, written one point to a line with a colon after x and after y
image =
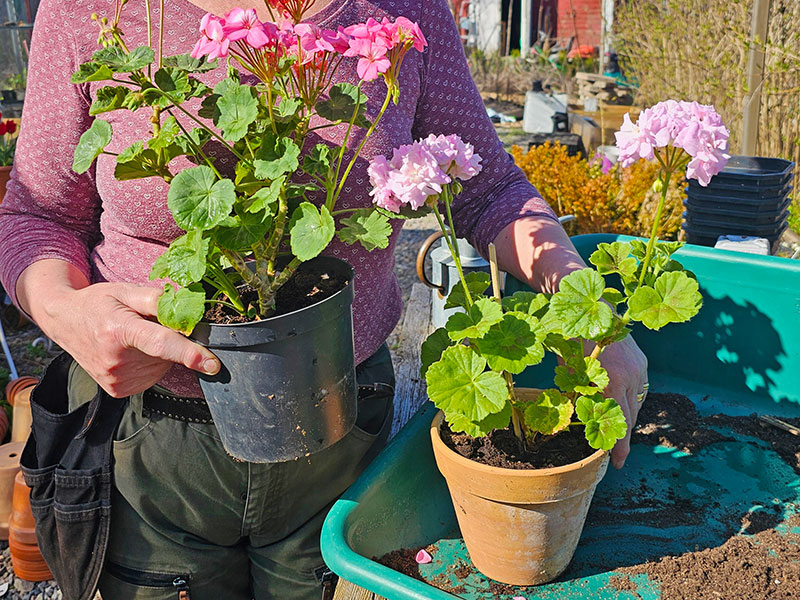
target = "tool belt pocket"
x: 67, y: 463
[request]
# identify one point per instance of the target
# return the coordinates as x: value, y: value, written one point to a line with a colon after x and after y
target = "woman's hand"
x: 106, y: 327
x: 627, y: 371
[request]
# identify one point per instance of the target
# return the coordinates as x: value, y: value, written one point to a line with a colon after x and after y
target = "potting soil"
x: 707, y: 507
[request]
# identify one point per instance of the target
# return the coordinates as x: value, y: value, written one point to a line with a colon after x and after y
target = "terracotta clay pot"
x: 26, y: 559
x: 520, y: 527
x: 21, y: 419
x: 5, y: 174
x: 15, y: 386
x: 9, y: 467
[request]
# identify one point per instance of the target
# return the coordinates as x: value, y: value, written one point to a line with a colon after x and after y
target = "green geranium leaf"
x: 166, y: 135
x: 237, y: 108
x: 174, y: 82
x: 318, y: 161
x: 196, y: 138
x: 614, y: 258
x: 667, y: 249
x: 341, y: 104
x: 432, y: 348
x: 108, y: 98
x: 183, y: 309
x: 578, y: 307
x: 584, y: 375
x: 186, y: 63
x: 311, y: 230
x: 604, y: 420
x: 459, y: 384
x: 276, y: 157
x: 92, y: 71
x: 477, y: 283
x: 119, y: 62
x: 613, y: 296
x: 208, y: 107
x: 184, y: 261
x: 131, y: 152
x: 92, y: 143
x: 266, y: 198
x: 139, y: 166
x: 288, y: 107
x: 566, y: 348
x: 498, y: 420
x: 299, y: 190
x: 638, y: 249
x: 511, y: 344
x: 242, y: 231
x: 551, y: 412
x: 484, y: 313
x: 674, y: 299
x: 198, y: 200
x: 527, y: 302
x: 369, y: 228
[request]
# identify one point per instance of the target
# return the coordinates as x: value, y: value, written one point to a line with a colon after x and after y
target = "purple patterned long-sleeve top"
x: 114, y: 230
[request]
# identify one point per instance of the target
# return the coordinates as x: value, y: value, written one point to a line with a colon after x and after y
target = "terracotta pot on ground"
x: 9, y: 467
x: 5, y: 173
x: 520, y: 527
x: 19, y: 396
x: 26, y: 559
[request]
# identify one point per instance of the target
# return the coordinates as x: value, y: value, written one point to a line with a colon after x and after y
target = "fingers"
x: 159, y: 341
x: 143, y: 300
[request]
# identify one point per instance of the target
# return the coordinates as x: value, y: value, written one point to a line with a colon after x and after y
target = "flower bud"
x: 658, y: 185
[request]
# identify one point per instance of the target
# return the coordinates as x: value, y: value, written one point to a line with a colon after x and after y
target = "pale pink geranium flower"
x: 455, y: 158
x: 244, y: 25
x: 214, y: 43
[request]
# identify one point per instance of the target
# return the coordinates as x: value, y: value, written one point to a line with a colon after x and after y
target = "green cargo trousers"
x: 189, y: 522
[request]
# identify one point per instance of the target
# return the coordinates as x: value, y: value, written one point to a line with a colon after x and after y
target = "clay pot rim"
x: 17, y: 385
x: 492, y: 470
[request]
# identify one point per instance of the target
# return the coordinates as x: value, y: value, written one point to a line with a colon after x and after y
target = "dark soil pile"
x: 501, y: 448
x: 305, y: 288
x: 762, y: 566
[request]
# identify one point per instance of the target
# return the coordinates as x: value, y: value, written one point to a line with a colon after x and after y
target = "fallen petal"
x: 519, y: 598
x: 423, y: 558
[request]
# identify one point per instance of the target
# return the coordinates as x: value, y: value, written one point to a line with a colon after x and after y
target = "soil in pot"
x: 303, y: 289
x: 758, y: 558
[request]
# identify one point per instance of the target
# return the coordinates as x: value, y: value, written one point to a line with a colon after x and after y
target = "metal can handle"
x: 422, y: 254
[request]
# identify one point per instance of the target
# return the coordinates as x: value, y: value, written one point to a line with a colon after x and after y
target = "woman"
x: 188, y: 519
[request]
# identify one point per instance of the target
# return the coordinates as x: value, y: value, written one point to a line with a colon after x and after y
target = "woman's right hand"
x: 107, y: 327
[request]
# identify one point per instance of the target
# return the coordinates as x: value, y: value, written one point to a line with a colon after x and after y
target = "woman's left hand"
x: 627, y: 370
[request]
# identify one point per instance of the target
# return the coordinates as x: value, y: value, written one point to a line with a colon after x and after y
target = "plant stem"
x: 456, y: 256
x: 248, y: 277
x: 453, y: 253
x: 149, y: 33
x: 211, y: 131
x: 654, y: 233
x: 220, y: 280
x: 160, y: 32
x: 277, y: 232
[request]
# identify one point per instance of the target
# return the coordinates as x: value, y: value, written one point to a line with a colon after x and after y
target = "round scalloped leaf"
x: 244, y: 231
x: 311, y: 230
x: 498, y: 420
x: 92, y: 143
x: 237, y: 109
x: 527, y: 302
x: 198, y: 200
x: 674, y: 299
x: 604, y: 420
x: 550, y: 413
x: 276, y: 157
x: 614, y: 258
x: 432, y: 348
x: 578, y: 307
x: 477, y: 283
x: 184, y: 261
x: 367, y: 227
x: 484, y: 313
x: 584, y: 375
x: 182, y: 309
x: 458, y: 383
x: 512, y: 344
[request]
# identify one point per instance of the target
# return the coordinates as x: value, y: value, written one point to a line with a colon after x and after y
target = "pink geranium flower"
x: 214, y: 44
x: 244, y: 25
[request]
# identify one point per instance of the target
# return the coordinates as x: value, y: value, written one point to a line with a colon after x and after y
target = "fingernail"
x: 211, y: 366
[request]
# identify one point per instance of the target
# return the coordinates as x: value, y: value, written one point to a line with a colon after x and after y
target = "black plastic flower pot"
x: 725, y: 226
x: 740, y: 193
x: 739, y: 217
x: 738, y: 202
x: 287, y: 387
x: 752, y: 172
x: 704, y: 236
x: 8, y: 96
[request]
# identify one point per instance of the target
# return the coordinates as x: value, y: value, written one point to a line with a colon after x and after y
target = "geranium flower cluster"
x: 379, y: 46
x: 417, y: 172
x: 695, y: 128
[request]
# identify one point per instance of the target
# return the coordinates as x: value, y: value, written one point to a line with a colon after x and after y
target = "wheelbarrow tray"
x: 740, y: 355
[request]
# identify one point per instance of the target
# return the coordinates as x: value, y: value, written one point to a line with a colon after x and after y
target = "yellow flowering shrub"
x: 620, y: 201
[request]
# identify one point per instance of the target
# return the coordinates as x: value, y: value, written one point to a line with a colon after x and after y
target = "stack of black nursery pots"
x: 750, y: 197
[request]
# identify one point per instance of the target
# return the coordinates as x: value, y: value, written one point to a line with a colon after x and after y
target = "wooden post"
x: 525, y: 28
x: 755, y: 76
